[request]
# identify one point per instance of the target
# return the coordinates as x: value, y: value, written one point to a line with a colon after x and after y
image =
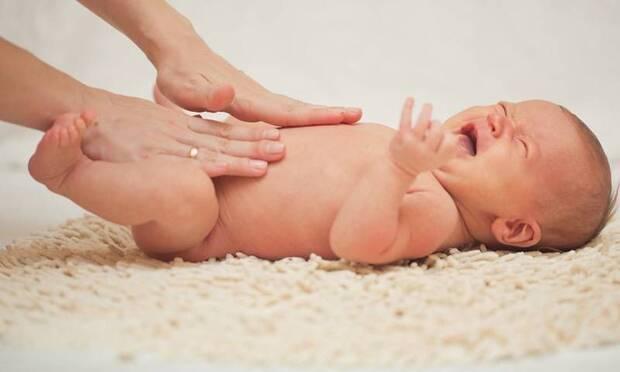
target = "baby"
x: 511, y: 175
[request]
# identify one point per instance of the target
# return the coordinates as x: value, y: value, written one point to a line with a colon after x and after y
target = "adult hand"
x: 130, y: 128
x: 197, y: 79
x: 194, y: 77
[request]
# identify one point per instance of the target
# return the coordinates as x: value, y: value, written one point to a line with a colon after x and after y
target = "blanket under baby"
x: 85, y: 286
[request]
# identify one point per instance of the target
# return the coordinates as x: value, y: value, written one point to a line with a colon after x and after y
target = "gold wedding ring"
x: 193, y: 152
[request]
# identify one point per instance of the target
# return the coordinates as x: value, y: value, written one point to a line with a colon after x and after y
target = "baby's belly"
x: 289, y: 211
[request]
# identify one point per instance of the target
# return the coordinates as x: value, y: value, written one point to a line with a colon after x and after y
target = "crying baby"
x: 520, y: 175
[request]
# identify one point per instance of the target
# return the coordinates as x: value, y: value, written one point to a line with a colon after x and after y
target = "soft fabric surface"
x: 84, y: 285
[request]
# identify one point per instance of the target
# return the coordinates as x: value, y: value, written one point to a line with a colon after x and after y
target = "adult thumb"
x: 196, y: 94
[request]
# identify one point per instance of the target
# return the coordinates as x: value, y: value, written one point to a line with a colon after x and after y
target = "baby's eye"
x: 524, y: 146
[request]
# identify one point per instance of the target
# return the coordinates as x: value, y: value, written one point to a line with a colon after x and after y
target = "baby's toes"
x: 73, y: 135
x: 51, y: 137
x: 64, y: 134
x: 80, y: 125
x: 89, y: 117
x: 76, y: 131
x: 65, y: 130
x: 66, y: 120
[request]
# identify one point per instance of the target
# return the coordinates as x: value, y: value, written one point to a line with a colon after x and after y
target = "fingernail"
x: 271, y: 134
x: 258, y: 164
x: 275, y: 148
x: 353, y: 110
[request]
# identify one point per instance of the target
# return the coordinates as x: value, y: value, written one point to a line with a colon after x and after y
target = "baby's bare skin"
x: 366, y: 193
x: 288, y: 212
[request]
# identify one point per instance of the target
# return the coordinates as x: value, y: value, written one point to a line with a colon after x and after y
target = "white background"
x: 451, y: 53
x: 365, y: 53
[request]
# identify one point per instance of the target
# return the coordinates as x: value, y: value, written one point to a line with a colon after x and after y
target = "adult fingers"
x: 195, y: 92
x: 283, y: 111
x: 231, y: 131
x: 215, y: 163
x: 218, y: 164
x: 263, y: 149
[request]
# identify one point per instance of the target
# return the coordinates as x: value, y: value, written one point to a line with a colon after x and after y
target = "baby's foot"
x: 59, y: 151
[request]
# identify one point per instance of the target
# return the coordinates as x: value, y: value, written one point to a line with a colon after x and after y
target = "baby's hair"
x: 571, y: 228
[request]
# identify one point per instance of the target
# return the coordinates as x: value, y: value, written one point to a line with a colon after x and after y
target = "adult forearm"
x: 33, y: 93
x: 370, y: 218
x: 153, y: 25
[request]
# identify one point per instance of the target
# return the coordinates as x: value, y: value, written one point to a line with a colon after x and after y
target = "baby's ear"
x: 516, y: 232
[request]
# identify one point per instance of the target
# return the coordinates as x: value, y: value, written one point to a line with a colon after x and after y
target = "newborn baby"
x: 511, y: 175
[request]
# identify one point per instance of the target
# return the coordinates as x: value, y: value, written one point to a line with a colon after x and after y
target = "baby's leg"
x: 170, y: 203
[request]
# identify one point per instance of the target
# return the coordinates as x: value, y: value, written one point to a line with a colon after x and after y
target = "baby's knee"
x: 191, y: 194
x: 187, y: 209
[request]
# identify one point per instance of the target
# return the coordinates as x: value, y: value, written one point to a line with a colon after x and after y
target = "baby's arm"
x: 379, y: 222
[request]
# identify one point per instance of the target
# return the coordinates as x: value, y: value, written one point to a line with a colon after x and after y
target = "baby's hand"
x: 422, y: 148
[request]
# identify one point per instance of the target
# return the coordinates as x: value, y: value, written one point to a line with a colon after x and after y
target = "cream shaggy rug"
x: 84, y: 286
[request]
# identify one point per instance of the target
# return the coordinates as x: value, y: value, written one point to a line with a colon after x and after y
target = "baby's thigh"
x: 186, y: 206
x: 173, y: 173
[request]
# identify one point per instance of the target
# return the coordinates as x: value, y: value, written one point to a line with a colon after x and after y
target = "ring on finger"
x: 193, y: 152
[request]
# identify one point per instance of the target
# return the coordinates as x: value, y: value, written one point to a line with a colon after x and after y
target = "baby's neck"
x: 461, y: 235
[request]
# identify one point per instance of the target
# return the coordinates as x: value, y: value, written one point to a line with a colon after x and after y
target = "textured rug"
x: 85, y: 286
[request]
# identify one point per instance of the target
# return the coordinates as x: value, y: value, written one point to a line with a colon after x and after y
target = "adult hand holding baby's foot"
x: 58, y: 152
x: 130, y: 128
x: 422, y: 148
x: 197, y: 79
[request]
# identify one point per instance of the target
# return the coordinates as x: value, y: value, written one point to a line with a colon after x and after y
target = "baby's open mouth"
x: 468, y: 139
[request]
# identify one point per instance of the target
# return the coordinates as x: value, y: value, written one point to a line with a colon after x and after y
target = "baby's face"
x: 502, y: 164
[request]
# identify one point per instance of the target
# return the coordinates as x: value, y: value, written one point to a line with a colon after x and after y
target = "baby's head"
x: 528, y: 175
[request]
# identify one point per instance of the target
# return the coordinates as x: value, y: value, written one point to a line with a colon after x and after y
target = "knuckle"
x: 255, y: 133
x: 224, y: 130
x: 236, y: 165
x: 219, y: 158
x: 142, y: 154
x: 223, y: 145
x: 171, y: 123
x: 262, y: 148
x: 187, y: 83
x: 209, y: 156
x: 244, y: 109
x: 246, y: 163
x: 257, y: 149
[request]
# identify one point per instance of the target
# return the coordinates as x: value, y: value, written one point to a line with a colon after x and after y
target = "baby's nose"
x: 497, y: 125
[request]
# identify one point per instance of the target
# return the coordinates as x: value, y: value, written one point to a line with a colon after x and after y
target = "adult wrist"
x: 95, y: 99
x: 163, y: 48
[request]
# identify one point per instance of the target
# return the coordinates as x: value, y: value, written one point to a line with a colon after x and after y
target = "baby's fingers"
x: 405, y: 116
x: 424, y: 120
x: 448, y: 146
x: 434, y: 137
